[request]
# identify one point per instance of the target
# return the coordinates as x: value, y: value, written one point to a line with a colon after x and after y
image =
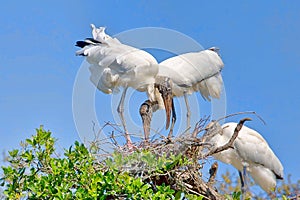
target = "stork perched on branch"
x: 250, y: 153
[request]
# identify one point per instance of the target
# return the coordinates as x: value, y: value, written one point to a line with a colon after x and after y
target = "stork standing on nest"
x: 114, y: 65
x: 188, y: 73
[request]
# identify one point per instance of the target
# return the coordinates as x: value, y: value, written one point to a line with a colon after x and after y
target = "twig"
x: 241, y: 113
x: 188, y: 186
x: 199, y: 126
x: 113, y: 138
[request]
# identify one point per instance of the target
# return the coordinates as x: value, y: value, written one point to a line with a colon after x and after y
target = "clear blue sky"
x: 259, y: 44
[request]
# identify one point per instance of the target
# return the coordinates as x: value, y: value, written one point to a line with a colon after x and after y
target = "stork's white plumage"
x: 250, y: 150
x: 195, y: 71
x: 114, y: 65
x: 189, y: 72
x: 192, y: 72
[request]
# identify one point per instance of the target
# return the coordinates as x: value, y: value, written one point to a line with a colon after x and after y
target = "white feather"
x: 195, y: 71
x: 252, y: 150
x: 114, y: 65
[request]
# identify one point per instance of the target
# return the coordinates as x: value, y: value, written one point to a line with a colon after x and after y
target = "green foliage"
x: 237, y: 195
x: 36, y: 172
x: 194, y: 197
x: 145, y: 161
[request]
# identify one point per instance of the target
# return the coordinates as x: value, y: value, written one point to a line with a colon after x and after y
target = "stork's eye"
x: 147, y: 108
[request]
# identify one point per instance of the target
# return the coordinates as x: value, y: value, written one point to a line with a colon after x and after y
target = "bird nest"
x: 176, y: 162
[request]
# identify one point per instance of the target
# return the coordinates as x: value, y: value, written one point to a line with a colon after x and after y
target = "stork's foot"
x: 129, y: 143
x: 170, y: 135
x: 168, y: 139
x: 130, y: 146
x: 144, y: 144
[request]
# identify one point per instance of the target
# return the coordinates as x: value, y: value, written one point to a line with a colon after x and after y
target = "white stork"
x: 188, y: 73
x: 113, y: 65
x: 250, y: 153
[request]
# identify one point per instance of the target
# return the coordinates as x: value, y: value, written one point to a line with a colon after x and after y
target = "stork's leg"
x: 173, y: 120
x: 121, y: 114
x: 243, y: 178
x: 188, y: 111
x: 242, y: 182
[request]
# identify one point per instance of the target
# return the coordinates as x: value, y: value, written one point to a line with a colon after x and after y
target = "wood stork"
x: 114, y: 65
x: 250, y: 153
x: 188, y: 73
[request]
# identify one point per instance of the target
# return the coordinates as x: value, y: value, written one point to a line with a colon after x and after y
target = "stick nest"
x: 178, y: 161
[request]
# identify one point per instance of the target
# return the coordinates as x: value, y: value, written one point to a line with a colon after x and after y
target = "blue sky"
x: 259, y: 44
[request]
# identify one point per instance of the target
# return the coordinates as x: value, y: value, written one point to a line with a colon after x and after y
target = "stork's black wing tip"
x: 80, y: 54
x: 86, y: 42
x: 93, y: 40
x: 81, y: 44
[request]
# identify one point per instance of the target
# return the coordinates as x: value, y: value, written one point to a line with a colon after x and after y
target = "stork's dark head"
x: 163, y: 84
x: 146, y: 114
x: 212, y: 129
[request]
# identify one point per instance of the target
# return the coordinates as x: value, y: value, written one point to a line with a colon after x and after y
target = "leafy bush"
x: 37, y: 172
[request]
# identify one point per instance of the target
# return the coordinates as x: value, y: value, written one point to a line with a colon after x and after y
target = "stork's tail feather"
x: 211, y: 87
x: 278, y: 177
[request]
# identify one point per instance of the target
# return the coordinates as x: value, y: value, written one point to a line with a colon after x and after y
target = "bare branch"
x: 199, y: 126
x: 242, y: 113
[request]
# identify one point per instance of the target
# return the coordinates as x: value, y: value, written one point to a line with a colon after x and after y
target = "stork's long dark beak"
x: 168, y: 106
x: 164, y: 87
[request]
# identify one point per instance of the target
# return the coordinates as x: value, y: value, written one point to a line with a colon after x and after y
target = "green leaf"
x: 13, y: 153
x: 29, y: 141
